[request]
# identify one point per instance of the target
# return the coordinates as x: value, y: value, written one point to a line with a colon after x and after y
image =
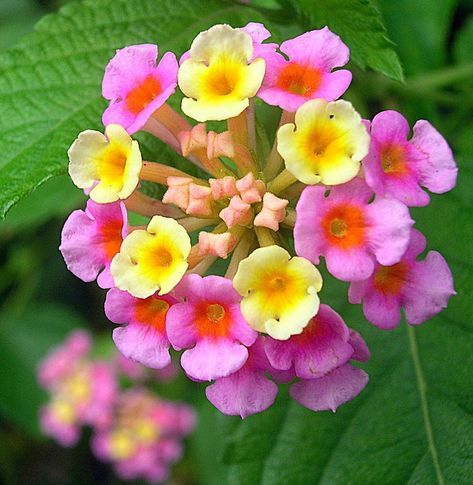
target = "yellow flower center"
x: 338, y: 228
x: 215, y: 312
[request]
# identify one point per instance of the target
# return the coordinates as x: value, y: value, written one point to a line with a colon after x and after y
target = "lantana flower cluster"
x: 338, y: 186
x: 134, y: 430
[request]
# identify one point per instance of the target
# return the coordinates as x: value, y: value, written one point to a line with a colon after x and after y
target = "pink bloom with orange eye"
x: 307, y: 74
x: 136, y: 86
x: 422, y: 288
x: 247, y: 391
x: 209, y: 323
x: 398, y: 168
x: 91, y: 238
x: 322, y: 346
x: 143, y: 337
x: 349, y: 232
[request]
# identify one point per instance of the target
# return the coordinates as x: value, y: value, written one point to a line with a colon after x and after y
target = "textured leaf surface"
x: 50, y: 83
x: 413, y: 423
x: 360, y: 25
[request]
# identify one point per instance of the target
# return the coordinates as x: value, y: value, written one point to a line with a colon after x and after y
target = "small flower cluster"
x: 136, y: 431
x: 342, y: 184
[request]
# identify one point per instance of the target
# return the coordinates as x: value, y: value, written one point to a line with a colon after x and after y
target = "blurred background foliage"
x: 41, y: 302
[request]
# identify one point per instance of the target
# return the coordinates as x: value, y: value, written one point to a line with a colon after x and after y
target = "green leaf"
x: 50, y: 83
x: 429, y: 36
x: 414, y: 421
x: 24, y: 340
x: 463, y: 42
x: 359, y: 24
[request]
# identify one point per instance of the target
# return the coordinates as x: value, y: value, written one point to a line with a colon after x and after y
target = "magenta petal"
x: 355, y: 191
x: 321, y: 347
x: 390, y: 232
x: 127, y: 68
x: 334, y: 84
x: 439, y: 171
x: 349, y: 265
x: 180, y: 326
x: 119, y: 306
x: 321, y: 48
x: 243, y: 393
x: 361, y: 351
x: 212, y: 359
x: 429, y: 288
x: 390, y: 126
x: 381, y: 310
x: 240, y: 329
x: 330, y: 391
x: 143, y: 344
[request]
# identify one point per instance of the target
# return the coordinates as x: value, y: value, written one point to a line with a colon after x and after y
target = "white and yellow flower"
x: 326, y: 144
x: 110, y: 164
x: 219, y: 75
x: 279, y: 292
x: 152, y: 260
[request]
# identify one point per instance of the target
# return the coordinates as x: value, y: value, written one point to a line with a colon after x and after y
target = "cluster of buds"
x: 337, y: 185
x: 137, y: 432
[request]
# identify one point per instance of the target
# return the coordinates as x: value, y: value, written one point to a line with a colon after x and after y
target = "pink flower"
x: 61, y: 359
x: 422, y: 288
x: 351, y: 233
x: 91, y: 238
x: 307, y: 74
x: 144, y: 438
x: 258, y: 33
x: 209, y: 323
x: 136, y: 86
x: 143, y: 338
x: 329, y: 392
x: 247, y: 391
x: 82, y: 392
x: 322, y: 346
x: 340, y: 385
x: 398, y: 168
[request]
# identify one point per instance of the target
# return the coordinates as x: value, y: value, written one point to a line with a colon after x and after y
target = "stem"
x: 158, y: 130
x: 274, y: 162
x: 244, y: 160
x: 240, y: 252
x: 171, y: 119
x: 437, y: 79
x: 202, y: 267
x: 290, y: 219
x: 159, y: 173
x: 251, y: 123
x: 238, y: 126
x: 281, y: 182
x: 293, y: 191
x: 192, y: 224
x: 149, y: 207
x: 265, y: 236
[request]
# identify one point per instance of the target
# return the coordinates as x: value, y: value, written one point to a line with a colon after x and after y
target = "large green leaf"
x: 360, y: 25
x: 50, y: 83
x: 428, y: 37
x: 413, y: 423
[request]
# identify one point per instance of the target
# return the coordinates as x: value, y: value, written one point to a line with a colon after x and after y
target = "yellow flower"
x: 152, y: 260
x: 112, y: 162
x: 326, y: 144
x: 279, y: 292
x: 218, y: 77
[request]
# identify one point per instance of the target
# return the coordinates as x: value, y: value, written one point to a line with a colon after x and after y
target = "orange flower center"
x: 344, y: 226
x: 151, y: 312
x: 390, y: 279
x: 298, y: 79
x: 212, y: 320
x: 111, y: 238
x: 162, y: 258
x: 137, y: 99
x: 393, y: 159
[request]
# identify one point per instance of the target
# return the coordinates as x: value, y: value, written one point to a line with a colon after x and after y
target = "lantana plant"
x: 333, y: 185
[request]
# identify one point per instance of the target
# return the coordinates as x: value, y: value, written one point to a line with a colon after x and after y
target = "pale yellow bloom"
x: 152, y: 260
x: 109, y: 163
x: 218, y: 77
x: 326, y: 144
x: 279, y: 292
